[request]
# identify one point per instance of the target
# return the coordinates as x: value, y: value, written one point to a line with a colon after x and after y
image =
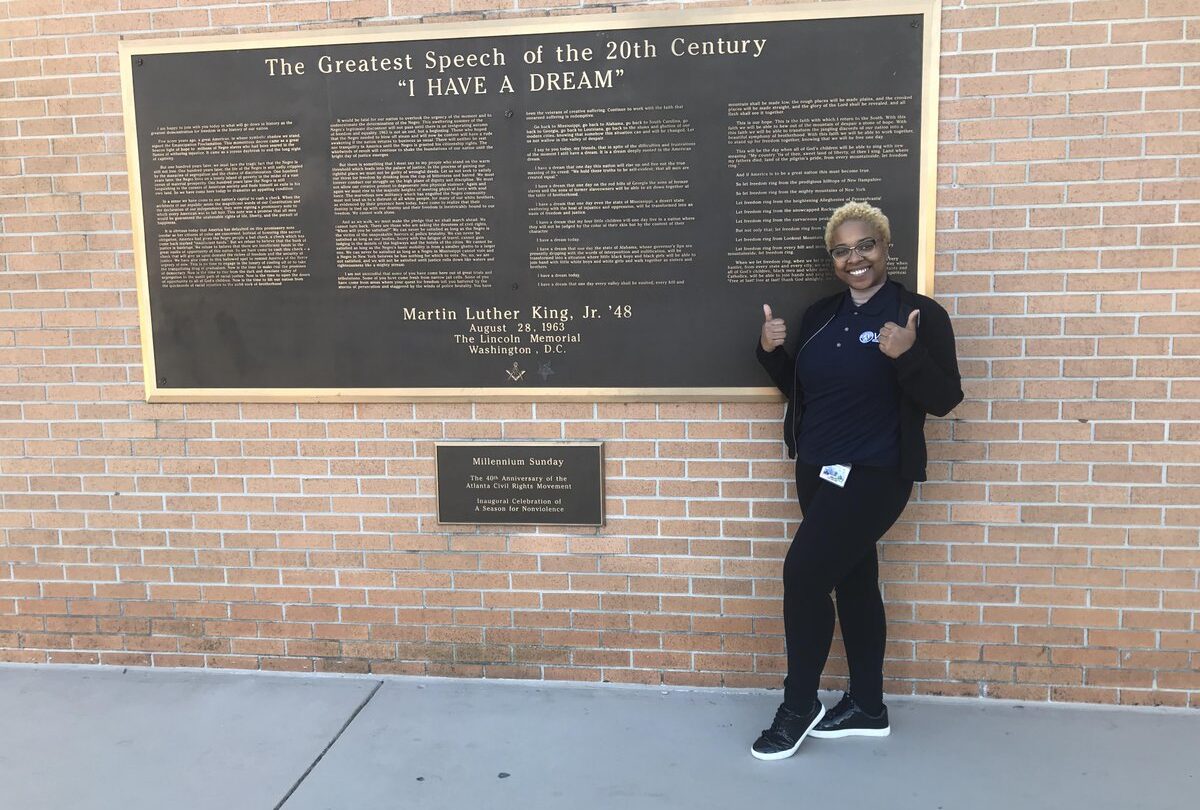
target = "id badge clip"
x: 835, y: 474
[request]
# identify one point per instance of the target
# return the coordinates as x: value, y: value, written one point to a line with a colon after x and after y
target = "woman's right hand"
x: 774, y: 331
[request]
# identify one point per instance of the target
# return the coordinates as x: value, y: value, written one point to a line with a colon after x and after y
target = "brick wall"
x: 1053, y: 554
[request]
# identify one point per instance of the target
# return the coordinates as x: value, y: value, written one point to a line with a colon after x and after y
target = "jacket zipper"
x: 795, y: 379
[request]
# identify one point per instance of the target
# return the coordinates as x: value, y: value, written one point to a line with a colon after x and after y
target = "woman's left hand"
x: 895, y: 340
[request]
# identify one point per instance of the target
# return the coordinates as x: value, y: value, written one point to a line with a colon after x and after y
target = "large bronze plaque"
x: 529, y: 483
x: 557, y: 208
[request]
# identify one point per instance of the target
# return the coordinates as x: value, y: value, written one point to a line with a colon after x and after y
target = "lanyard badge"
x: 835, y: 474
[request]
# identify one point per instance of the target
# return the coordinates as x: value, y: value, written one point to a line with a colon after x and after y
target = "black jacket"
x: 927, y: 374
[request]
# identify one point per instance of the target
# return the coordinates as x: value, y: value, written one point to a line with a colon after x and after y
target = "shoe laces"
x: 778, y: 731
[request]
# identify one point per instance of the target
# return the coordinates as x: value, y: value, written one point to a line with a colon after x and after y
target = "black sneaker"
x: 847, y: 720
x: 786, y: 733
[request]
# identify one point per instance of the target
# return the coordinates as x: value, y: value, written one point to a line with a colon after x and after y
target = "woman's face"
x: 863, y: 268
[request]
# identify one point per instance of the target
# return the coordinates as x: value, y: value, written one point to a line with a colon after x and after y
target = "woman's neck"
x: 860, y: 297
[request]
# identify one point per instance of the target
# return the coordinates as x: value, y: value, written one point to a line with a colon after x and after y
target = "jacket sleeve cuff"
x: 761, y: 353
x: 911, y: 360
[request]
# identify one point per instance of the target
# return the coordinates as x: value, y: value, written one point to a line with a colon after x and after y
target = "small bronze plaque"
x: 539, y: 483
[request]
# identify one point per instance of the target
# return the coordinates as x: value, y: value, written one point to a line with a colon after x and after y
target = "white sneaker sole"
x: 852, y: 732
x: 794, y: 748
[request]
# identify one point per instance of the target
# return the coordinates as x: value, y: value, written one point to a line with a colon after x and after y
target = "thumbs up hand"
x: 774, y: 330
x: 895, y: 340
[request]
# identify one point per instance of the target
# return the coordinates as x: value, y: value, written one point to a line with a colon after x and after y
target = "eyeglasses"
x: 842, y: 252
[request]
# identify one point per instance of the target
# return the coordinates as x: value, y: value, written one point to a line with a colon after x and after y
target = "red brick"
x: 1143, y: 77
x: 1106, y: 55
x: 1107, y: 9
x: 1174, y: 52
x: 1071, y: 34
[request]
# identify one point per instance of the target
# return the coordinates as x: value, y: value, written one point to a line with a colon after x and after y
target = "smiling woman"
x: 858, y: 392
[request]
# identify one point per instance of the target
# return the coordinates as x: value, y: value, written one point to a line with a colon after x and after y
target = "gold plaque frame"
x: 930, y: 10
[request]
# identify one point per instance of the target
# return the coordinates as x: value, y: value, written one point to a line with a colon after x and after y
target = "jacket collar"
x: 886, y: 298
x: 827, y: 307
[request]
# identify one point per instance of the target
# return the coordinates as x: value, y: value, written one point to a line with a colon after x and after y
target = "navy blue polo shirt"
x: 851, y: 396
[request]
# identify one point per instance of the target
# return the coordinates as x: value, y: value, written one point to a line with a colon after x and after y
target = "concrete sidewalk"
x: 79, y: 738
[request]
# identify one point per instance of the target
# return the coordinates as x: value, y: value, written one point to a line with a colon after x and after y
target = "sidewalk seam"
x: 325, y: 750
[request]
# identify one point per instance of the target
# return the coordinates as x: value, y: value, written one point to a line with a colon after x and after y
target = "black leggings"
x: 834, y: 548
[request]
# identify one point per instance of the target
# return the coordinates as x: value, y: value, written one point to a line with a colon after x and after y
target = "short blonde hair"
x: 858, y: 212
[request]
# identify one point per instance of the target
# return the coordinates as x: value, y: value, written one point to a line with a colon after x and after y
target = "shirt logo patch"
x: 868, y: 337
